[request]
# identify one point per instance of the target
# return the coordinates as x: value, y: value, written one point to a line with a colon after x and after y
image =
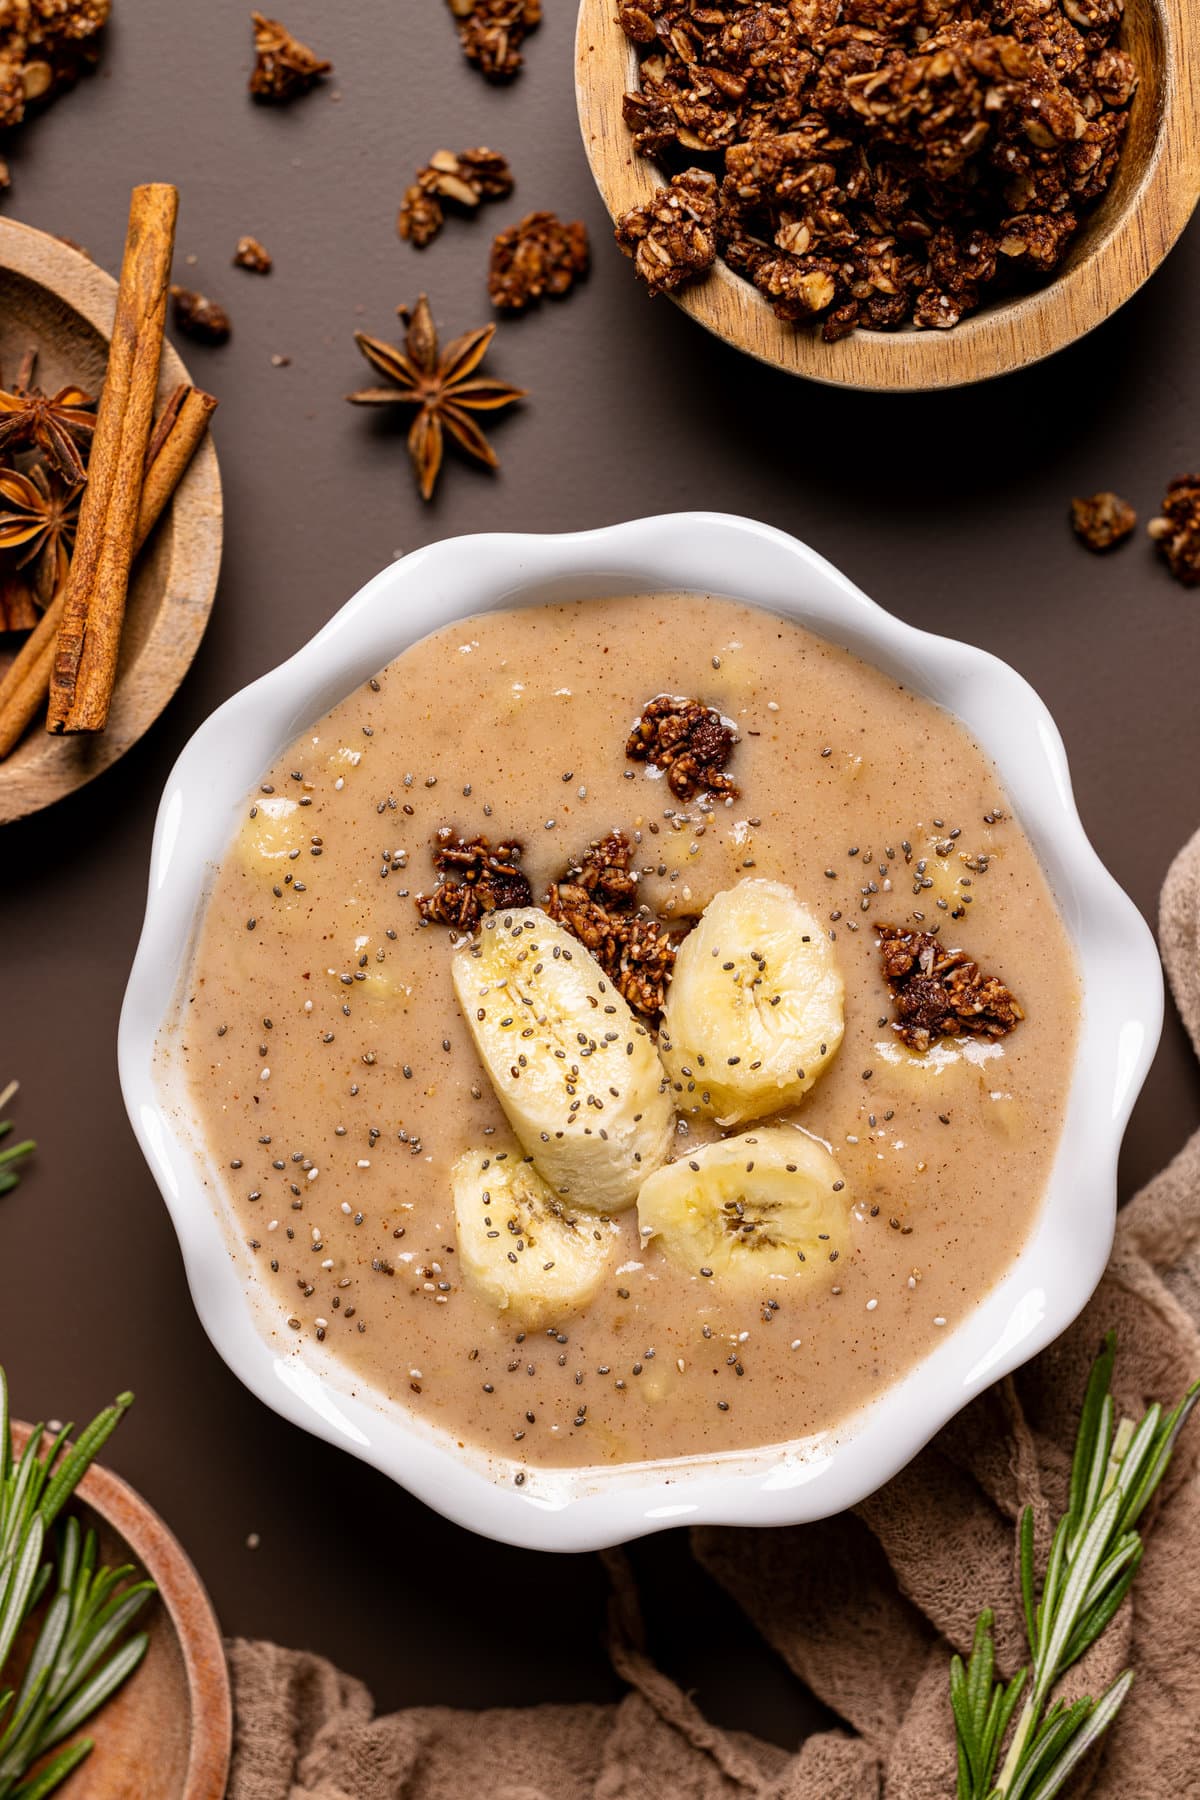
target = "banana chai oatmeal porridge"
x: 632, y: 1028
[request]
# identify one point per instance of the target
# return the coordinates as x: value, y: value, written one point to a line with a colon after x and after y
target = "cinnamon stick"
x: 85, y: 658
x: 175, y: 441
x: 176, y: 438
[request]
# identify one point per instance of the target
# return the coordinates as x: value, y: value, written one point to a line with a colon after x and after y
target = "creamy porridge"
x: 738, y: 1224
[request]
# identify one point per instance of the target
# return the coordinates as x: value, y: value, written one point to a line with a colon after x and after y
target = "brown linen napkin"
x: 864, y: 1607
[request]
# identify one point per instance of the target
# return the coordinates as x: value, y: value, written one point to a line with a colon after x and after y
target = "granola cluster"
x: 673, y: 239
x: 473, y: 879
x: 44, y: 45
x: 463, y: 178
x: 941, y: 993
x: 596, y: 901
x: 199, y: 318
x: 1102, y: 521
x: 687, y: 740
x: 1177, y: 530
x: 884, y: 161
x: 540, y: 255
x: 283, y: 68
x: 492, y: 32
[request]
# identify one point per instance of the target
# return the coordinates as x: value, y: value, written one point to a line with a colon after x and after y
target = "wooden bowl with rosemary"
x: 166, y: 1733
x: 56, y: 304
x: 1121, y: 240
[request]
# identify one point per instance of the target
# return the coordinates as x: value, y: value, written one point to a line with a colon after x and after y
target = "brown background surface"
x: 950, y: 510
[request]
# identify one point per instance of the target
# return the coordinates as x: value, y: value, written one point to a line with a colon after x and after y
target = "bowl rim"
x: 1121, y: 985
x: 997, y: 340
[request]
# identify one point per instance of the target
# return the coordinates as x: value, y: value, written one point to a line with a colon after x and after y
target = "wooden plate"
x: 1123, y: 240
x: 54, y: 297
x: 167, y: 1734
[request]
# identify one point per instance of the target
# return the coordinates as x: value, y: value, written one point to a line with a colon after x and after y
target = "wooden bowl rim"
x: 1009, y: 336
x: 187, y: 1605
x: 195, y: 515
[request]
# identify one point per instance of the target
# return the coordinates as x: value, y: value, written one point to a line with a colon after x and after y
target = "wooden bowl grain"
x: 1121, y: 244
x: 167, y: 1734
x: 53, y: 297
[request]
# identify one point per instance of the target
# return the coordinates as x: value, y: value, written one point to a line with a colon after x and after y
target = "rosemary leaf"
x: 1094, y: 1557
x: 74, y: 1465
x: 54, y: 1593
x: 55, y: 1773
x: 1102, y: 1716
x: 99, y: 1689
x: 12, y: 1156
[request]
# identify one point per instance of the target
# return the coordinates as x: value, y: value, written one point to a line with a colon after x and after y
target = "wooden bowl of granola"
x: 1121, y: 240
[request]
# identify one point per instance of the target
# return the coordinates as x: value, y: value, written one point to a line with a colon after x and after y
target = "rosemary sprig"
x: 13, y: 1154
x: 80, y: 1654
x: 1094, y: 1556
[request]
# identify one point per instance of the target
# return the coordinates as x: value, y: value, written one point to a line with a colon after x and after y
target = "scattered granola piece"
x: 421, y: 215
x: 1102, y: 520
x: 1177, y: 530
x: 463, y: 178
x: 492, y: 32
x: 283, y: 67
x: 252, y: 255
x: 474, y: 879
x: 540, y: 255
x: 596, y: 901
x: 689, y: 741
x: 941, y: 993
x: 200, y: 318
x: 673, y: 239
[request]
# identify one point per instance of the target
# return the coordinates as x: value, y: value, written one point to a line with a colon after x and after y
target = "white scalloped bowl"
x: 781, y: 1484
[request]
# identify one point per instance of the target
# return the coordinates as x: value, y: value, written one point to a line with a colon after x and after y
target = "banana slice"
x: 273, y: 836
x: 754, y: 1010
x: 519, y: 1246
x: 770, y: 1203
x: 576, y: 1073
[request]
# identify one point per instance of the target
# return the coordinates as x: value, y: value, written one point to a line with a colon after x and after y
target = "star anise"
x: 38, y: 519
x: 57, y: 424
x: 442, y: 384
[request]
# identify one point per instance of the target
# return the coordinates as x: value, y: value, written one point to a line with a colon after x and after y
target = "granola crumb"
x: 461, y: 178
x: 1177, y: 529
x: 540, y: 255
x: 284, y: 68
x: 252, y: 255
x: 596, y: 901
x: 492, y: 33
x: 689, y: 741
x: 474, y: 879
x: 1103, y: 520
x: 673, y: 239
x: 941, y: 993
x: 200, y: 318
